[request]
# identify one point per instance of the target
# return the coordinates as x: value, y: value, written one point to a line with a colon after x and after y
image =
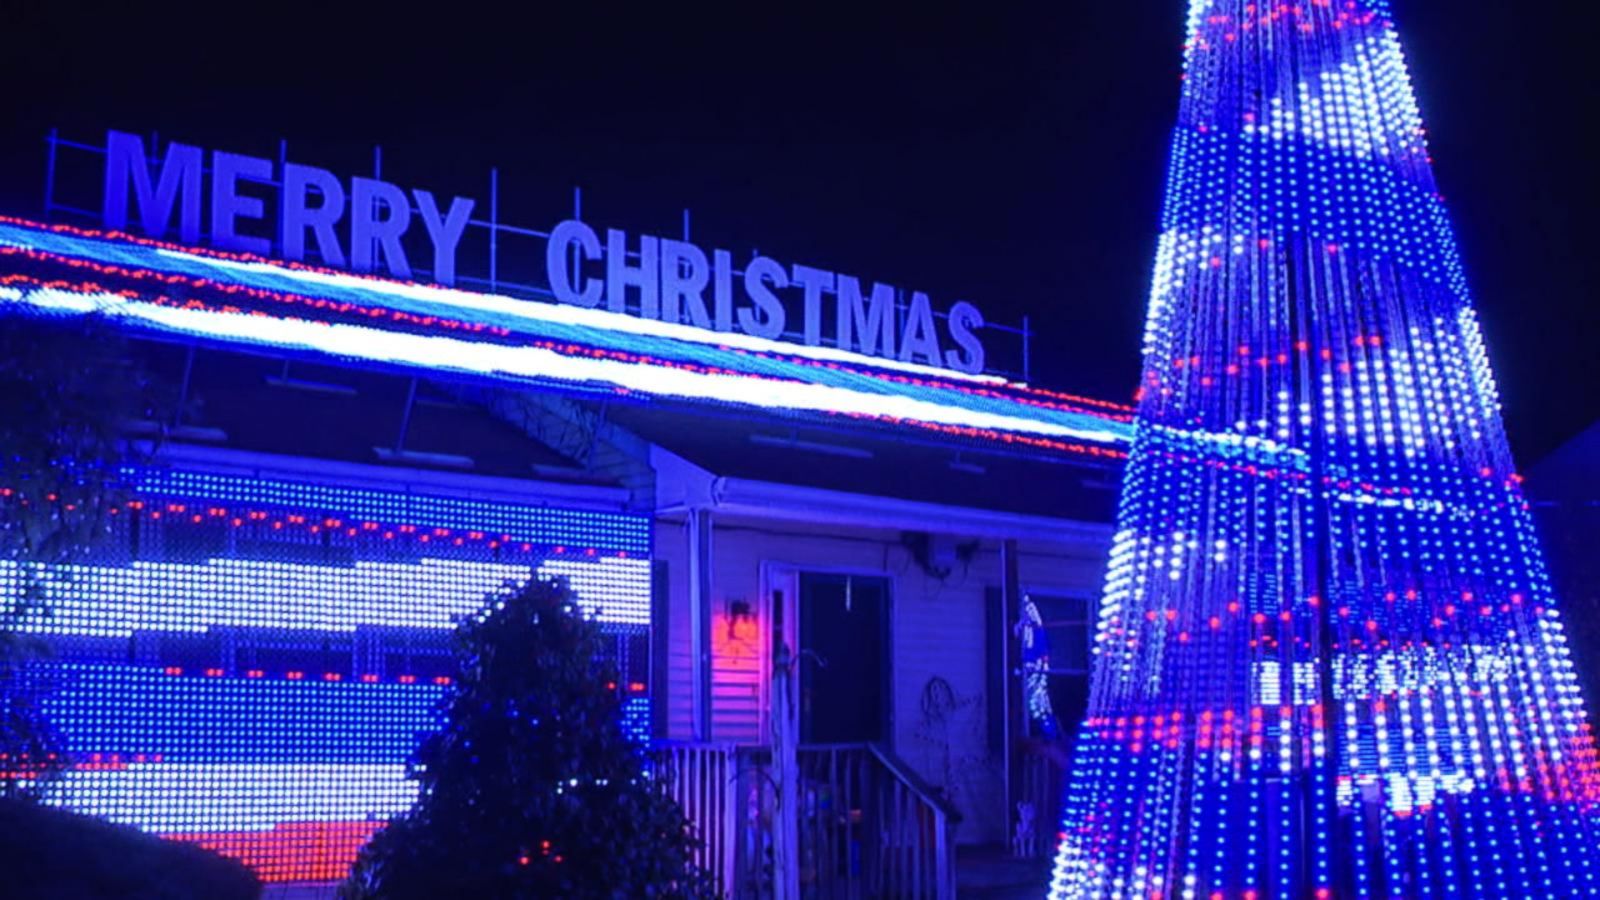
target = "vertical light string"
x: 1329, y: 662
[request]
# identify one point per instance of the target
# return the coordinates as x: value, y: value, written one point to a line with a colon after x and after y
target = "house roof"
x: 1571, y: 472
x: 879, y: 463
x: 346, y: 414
x: 295, y: 311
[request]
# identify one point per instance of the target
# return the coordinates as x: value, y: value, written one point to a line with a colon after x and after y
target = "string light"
x: 247, y: 664
x: 1328, y: 660
x: 831, y: 392
x: 496, y: 323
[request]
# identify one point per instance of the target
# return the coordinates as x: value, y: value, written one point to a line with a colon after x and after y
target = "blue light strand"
x: 528, y: 522
x: 495, y: 323
x: 1324, y: 569
x: 248, y: 663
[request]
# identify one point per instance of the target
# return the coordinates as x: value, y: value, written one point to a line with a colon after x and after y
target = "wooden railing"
x: 868, y: 826
x: 1043, y: 779
x: 705, y: 779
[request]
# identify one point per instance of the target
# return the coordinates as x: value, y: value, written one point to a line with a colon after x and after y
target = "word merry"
x: 313, y: 201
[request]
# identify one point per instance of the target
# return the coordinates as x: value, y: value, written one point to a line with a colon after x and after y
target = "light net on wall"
x: 247, y: 664
x: 1328, y: 660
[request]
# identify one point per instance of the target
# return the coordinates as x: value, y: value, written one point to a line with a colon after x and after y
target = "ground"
x: 990, y: 872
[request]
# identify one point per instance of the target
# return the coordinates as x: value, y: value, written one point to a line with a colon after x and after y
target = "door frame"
x: 781, y: 575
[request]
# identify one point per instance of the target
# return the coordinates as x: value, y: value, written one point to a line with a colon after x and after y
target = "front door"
x: 844, y: 672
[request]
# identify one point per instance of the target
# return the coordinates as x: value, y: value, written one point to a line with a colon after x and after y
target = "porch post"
x: 1011, y: 685
x: 700, y: 620
x: 785, y: 729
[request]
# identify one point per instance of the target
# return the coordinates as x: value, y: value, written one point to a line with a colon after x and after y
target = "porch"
x: 863, y: 825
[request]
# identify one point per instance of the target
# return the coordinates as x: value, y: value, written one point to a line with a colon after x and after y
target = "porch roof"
x: 872, y: 465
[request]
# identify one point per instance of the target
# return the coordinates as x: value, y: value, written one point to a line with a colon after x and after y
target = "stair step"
x: 990, y: 872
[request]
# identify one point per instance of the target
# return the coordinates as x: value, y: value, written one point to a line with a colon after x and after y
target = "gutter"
x: 339, y: 473
x: 787, y: 502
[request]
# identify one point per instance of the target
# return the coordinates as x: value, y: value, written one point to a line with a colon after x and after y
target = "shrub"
x: 48, y: 854
x: 531, y: 789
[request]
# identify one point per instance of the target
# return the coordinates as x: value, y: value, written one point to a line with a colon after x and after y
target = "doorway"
x: 844, y: 670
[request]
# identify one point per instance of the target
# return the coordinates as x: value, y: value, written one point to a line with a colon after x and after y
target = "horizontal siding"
x: 671, y: 545
x: 739, y: 661
x: 938, y: 705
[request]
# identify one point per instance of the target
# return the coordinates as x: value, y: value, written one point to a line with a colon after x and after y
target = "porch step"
x: 990, y: 872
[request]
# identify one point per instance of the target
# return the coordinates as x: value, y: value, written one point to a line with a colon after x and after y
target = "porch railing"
x: 868, y: 826
x: 1043, y: 780
x: 705, y: 780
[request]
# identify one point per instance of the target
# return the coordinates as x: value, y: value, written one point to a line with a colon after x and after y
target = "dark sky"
x: 1011, y: 154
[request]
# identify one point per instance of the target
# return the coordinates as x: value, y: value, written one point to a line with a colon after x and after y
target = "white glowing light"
x: 445, y: 354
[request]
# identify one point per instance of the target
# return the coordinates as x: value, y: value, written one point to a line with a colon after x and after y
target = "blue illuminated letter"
x: 643, y: 276
x: 722, y: 289
x: 684, y: 274
x: 227, y: 204
x: 446, y: 232
x: 369, y: 226
x: 769, y: 322
x: 814, y: 282
x: 867, y: 326
x: 564, y: 283
x: 298, y: 215
x: 920, y: 338
x: 965, y: 321
x: 180, y: 173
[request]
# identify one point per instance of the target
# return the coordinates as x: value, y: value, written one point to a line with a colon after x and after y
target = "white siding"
x: 936, y: 636
x: 672, y: 547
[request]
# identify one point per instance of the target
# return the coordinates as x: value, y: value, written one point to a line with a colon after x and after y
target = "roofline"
x: 338, y: 473
x: 605, y: 319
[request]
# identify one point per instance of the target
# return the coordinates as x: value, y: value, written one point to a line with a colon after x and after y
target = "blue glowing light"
x: 267, y: 305
x: 248, y: 663
x: 526, y: 522
x: 1328, y: 659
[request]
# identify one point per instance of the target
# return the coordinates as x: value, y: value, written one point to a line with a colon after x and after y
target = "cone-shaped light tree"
x: 1328, y: 662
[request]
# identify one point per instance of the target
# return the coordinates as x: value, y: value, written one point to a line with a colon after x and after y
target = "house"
x: 1564, y: 488
x: 355, y: 460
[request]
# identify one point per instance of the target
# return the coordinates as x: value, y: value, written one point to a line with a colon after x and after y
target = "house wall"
x: 937, y: 636
x: 258, y: 640
x: 676, y: 697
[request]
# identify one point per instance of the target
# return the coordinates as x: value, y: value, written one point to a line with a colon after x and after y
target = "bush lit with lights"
x: 531, y: 787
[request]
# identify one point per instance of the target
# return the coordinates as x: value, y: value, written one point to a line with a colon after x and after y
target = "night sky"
x: 1007, y: 154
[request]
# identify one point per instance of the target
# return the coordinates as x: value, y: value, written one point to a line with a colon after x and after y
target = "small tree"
x: 531, y: 789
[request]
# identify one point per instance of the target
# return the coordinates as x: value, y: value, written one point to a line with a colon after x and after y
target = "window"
x: 1068, y: 627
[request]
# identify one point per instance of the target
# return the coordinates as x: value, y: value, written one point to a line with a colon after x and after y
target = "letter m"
x: 180, y: 174
x: 870, y: 323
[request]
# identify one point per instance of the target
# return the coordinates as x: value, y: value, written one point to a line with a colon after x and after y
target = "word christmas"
x: 671, y: 279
